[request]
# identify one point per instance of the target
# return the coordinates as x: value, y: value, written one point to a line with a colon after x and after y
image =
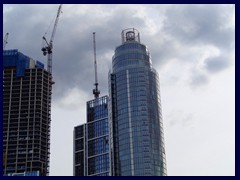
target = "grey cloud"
x: 177, y: 117
x: 217, y: 64
x: 201, y: 24
x: 188, y: 120
x: 75, y: 67
x: 73, y: 49
x: 164, y: 52
x: 198, y: 78
x: 192, y: 26
x: 201, y: 75
x: 189, y: 26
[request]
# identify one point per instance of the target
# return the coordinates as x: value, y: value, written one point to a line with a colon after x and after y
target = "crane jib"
x: 49, y: 46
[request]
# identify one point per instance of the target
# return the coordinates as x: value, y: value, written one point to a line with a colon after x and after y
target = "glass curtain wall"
x: 91, y: 141
x: 137, y: 143
x: 97, y: 137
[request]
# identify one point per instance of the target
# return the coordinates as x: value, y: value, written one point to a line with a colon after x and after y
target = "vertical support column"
x: 28, y: 117
x: 9, y: 114
x: 130, y: 123
x: 19, y: 120
x: 85, y: 129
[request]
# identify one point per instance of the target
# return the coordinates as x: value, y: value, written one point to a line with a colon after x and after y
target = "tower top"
x: 130, y: 34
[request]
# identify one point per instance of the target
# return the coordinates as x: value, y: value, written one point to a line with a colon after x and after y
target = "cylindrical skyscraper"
x: 135, y: 118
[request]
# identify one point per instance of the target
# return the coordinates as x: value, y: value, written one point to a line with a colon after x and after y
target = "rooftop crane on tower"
x: 47, y: 49
x: 96, y: 92
x: 5, y: 40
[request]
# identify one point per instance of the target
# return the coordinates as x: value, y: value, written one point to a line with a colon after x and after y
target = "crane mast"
x: 96, y: 92
x: 5, y: 40
x: 47, y: 50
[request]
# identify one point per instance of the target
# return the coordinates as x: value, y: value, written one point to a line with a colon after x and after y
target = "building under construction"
x: 27, y: 89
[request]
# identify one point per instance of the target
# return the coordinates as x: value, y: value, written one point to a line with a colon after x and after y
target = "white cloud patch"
x: 73, y: 100
x: 178, y: 118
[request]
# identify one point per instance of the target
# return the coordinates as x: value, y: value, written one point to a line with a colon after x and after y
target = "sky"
x: 192, y: 48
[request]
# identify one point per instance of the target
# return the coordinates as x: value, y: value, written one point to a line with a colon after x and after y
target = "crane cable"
x: 49, y: 26
x: 43, y: 42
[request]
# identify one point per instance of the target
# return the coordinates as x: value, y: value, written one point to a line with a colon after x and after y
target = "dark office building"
x: 26, y: 115
x: 91, y: 141
x: 135, y: 118
x: 30, y: 173
x: 79, y: 143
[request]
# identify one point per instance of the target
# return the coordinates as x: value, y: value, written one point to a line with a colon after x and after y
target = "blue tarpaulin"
x: 39, y: 64
x: 13, y: 58
x: 22, y: 64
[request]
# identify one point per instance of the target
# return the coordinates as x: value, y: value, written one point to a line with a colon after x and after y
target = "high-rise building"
x: 29, y: 173
x: 91, y: 141
x: 135, y: 118
x: 27, y: 89
x: 127, y: 140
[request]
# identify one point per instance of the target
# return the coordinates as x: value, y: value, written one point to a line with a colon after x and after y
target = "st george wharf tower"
x: 135, y: 117
x: 123, y: 135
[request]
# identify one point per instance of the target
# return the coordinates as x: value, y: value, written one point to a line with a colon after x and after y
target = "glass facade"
x: 91, y: 156
x: 79, y: 150
x: 135, y: 118
x: 123, y: 135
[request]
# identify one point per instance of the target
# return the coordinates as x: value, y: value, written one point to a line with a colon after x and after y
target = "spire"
x: 96, y: 92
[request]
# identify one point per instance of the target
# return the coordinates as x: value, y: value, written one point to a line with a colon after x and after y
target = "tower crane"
x: 47, y: 49
x: 5, y: 40
x: 96, y: 92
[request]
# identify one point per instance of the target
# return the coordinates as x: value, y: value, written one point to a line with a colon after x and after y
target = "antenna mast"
x: 96, y: 92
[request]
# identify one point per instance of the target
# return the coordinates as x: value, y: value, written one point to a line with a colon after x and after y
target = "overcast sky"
x: 192, y: 48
